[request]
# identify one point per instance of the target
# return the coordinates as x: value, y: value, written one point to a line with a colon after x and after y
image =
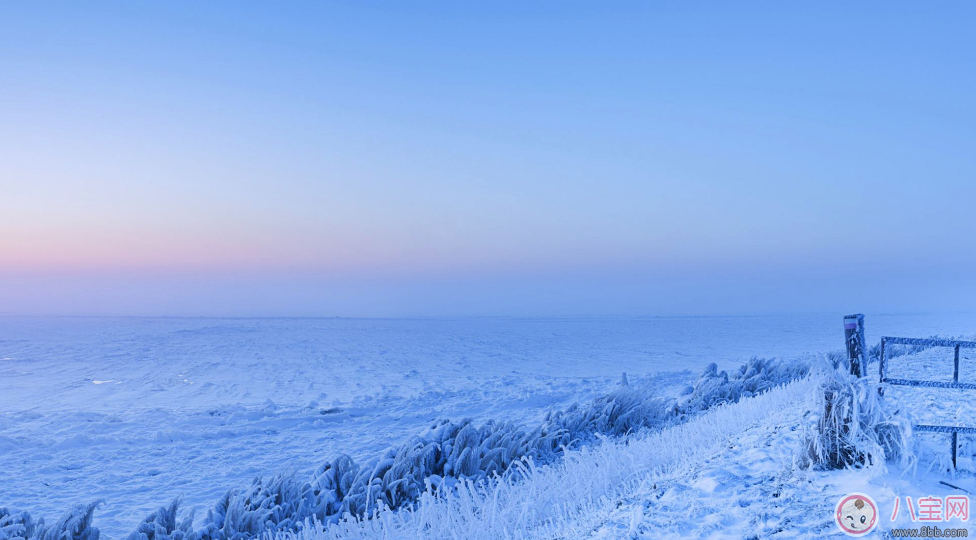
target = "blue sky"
x: 558, y: 158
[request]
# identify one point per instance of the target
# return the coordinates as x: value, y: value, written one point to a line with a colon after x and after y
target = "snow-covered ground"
x: 611, y: 490
x: 138, y: 411
x: 730, y: 473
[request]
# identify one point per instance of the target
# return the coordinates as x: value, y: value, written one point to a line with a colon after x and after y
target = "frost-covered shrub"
x: 852, y: 427
x: 756, y: 376
x: 16, y: 525
x: 333, y: 481
x: 75, y: 524
x: 619, y: 412
x: 449, y: 451
x: 280, y: 503
x: 163, y: 525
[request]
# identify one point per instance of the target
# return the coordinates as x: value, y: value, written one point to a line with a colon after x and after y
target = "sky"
x: 375, y: 159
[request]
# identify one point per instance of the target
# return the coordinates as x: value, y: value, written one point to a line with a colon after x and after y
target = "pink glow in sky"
x: 177, y: 158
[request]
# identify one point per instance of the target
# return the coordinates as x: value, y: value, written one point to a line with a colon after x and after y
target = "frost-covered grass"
x: 852, y: 426
x: 75, y: 524
x: 200, y: 406
x: 546, y: 500
x: 451, y: 455
x: 495, y: 445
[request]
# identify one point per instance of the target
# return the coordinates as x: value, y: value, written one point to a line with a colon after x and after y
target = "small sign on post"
x: 854, y: 337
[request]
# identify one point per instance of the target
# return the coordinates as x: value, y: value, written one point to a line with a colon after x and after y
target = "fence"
x: 915, y: 342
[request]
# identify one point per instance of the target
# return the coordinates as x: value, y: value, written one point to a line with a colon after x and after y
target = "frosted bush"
x: 280, y: 503
x: 851, y: 426
x: 756, y: 376
x: 15, y: 525
x: 75, y: 524
x: 163, y: 525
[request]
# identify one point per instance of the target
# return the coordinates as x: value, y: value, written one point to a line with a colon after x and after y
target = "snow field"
x: 140, y: 412
x: 447, y: 453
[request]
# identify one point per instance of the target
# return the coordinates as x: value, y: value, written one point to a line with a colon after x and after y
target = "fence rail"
x: 930, y: 384
x: 929, y: 342
x: 955, y: 384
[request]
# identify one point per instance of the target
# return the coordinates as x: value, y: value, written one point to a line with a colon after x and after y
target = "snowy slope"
x: 730, y: 473
x: 608, y: 489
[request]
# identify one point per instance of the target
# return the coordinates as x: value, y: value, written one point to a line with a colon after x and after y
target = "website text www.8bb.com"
x: 928, y: 531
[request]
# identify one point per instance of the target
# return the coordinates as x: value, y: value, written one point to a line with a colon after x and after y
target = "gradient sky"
x: 559, y: 158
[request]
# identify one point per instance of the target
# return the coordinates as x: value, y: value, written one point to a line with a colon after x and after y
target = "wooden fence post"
x: 854, y: 338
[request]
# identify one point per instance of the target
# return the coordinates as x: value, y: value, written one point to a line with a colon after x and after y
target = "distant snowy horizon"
x: 701, y: 292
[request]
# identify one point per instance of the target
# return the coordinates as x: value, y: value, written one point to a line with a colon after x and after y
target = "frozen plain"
x: 136, y: 411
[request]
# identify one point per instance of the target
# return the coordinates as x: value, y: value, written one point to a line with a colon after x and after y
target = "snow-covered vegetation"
x: 852, y: 426
x: 828, y: 425
x: 451, y: 456
x: 545, y: 502
x: 75, y: 524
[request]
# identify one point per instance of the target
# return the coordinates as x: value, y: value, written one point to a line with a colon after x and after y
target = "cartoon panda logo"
x: 856, y: 514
